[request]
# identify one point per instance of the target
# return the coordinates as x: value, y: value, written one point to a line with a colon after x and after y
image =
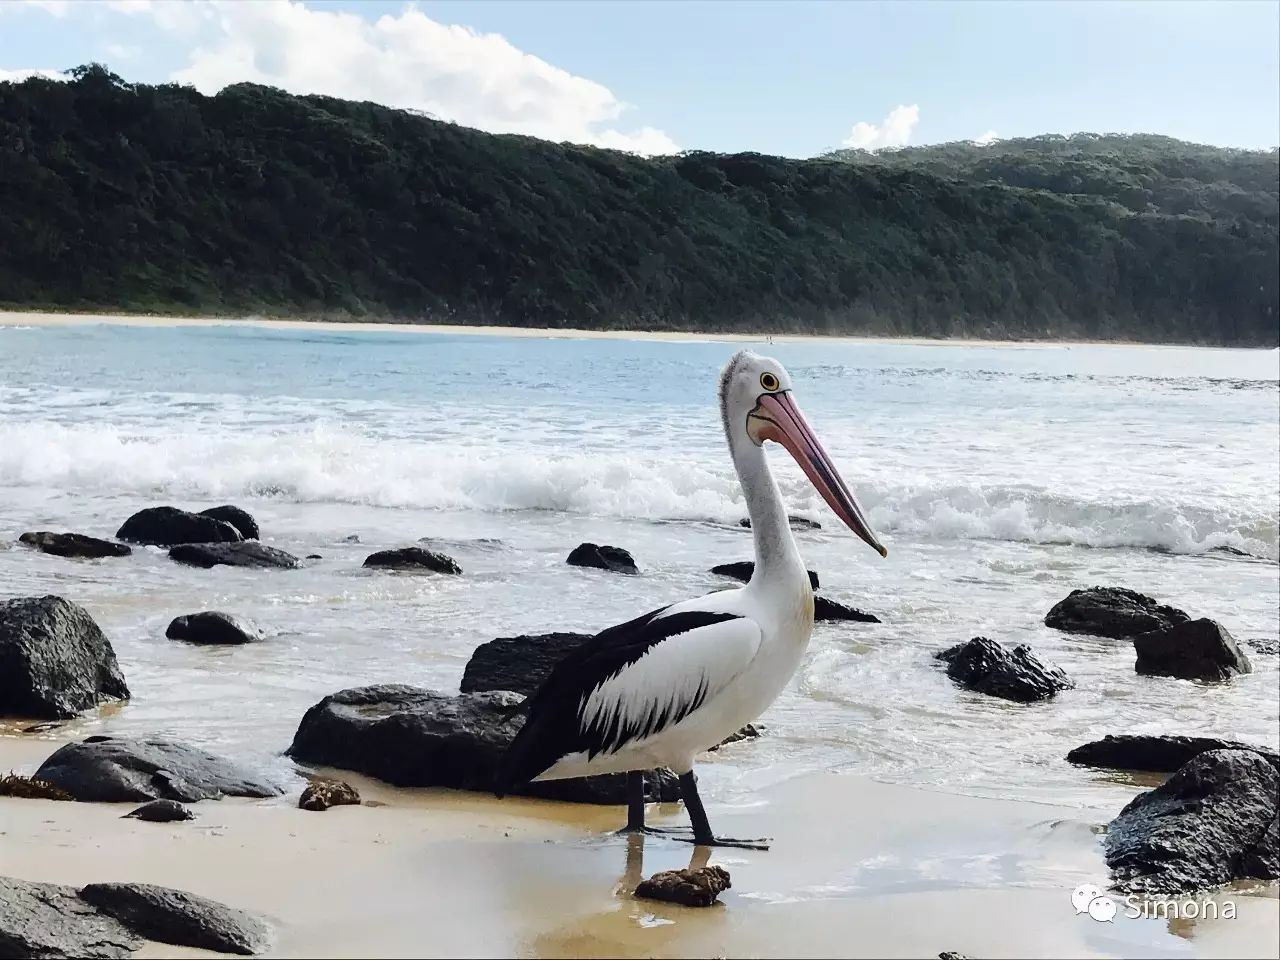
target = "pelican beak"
x: 776, y: 417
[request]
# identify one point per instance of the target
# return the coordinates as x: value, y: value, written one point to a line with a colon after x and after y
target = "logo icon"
x: 1087, y: 898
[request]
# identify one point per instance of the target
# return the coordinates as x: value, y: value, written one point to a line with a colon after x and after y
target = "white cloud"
x: 120, y: 51
x: 17, y: 76
x: 403, y: 60
x: 57, y: 8
x: 987, y: 138
x: 894, y: 131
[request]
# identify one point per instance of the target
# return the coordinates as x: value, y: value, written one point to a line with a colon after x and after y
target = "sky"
x: 794, y: 78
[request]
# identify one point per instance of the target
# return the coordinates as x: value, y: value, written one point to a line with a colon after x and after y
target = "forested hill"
x: 157, y: 198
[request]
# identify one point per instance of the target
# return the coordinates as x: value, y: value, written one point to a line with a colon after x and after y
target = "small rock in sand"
x: 691, y: 888
x: 412, y: 558
x: 161, y: 811
x: 603, y: 557
x: 323, y: 794
x: 75, y: 545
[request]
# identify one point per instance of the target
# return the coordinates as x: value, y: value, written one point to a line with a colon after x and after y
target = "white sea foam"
x: 320, y: 464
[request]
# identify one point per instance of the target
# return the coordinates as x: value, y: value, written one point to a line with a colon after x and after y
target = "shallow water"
x: 1000, y: 477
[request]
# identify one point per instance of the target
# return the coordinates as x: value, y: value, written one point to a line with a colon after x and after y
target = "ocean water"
x: 1000, y: 478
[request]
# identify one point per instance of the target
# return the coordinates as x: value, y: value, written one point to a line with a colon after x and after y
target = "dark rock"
x: 314, y: 556
x: 240, y: 554
x: 16, y: 785
x: 692, y: 888
x: 951, y: 955
x: 1206, y: 825
x: 796, y: 523
x: 1196, y: 650
x: 825, y: 609
x: 988, y: 667
x: 168, y: 526
x: 602, y: 556
x: 1263, y: 858
x: 242, y: 520
x: 1111, y: 612
x: 161, y: 811
x: 351, y: 538
x: 412, y: 558
x: 519, y: 664
x: 1158, y: 754
x: 323, y: 794
x: 180, y: 918
x: 1267, y: 646
x: 412, y: 737
x: 742, y: 570
x: 47, y: 921
x: 111, y: 770
x: 74, y: 545
x: 54, y: 660
x: 212, y: 627
x: 750, y: 732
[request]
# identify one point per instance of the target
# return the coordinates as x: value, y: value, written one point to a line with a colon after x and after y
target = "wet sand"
x: 39, y: 319
x: 858, y: 869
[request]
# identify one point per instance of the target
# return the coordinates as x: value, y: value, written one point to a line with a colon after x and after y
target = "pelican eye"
x: 769, y: 381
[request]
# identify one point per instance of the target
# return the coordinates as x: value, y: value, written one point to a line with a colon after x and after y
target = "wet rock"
x: 27, y: 788
x: 412, y: 558
x: 54, y: 660
x: 1208, y: 824
x: 1196, y: 650
x: 323, y: 794
x: 1112, y: 612
x: 1158, y: 754
x: 180, y: 918
x: 314, y: 556
x: 796, y: 523
x: 168, y: 526
x: 75, y: 545
x: 750, y: 732
x: 691, y: 888
x: 603, y: 557
x: 412, y: 737
x: 519, y: 664
x: 239, y: 554
x: 111, y: 770
x: 212, y: 627
x: 47, y: 921
x: 742, y: 570
x: 951, y: 955
x: 988, y: 667
x: 825, y: 609
x: 161, y: 811
x: 242, y: 520
x: 1267, y: 646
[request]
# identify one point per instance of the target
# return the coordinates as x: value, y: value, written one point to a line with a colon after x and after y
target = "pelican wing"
x: 627, y: 683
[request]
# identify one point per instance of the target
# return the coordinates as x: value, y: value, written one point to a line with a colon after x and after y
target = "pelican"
x: 657, y: 690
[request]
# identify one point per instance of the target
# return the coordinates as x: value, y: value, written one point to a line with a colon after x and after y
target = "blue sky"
x: 794, y: 78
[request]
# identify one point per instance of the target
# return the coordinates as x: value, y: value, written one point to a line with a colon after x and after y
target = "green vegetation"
x: 157, y: 198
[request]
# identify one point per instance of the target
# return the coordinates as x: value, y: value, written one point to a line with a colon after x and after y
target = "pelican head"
x: 757, y: 402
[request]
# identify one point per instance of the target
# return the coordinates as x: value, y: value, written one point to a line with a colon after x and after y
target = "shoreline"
x: 434, y: 872
x: 37, y: 318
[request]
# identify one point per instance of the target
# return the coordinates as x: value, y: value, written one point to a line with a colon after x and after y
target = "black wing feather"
x: 553, y: 727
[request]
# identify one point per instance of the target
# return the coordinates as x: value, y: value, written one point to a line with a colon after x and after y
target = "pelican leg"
x: 702, y: 835
x: 635, y: 808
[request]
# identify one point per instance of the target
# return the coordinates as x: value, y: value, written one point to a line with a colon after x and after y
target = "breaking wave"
x: 326, y: 464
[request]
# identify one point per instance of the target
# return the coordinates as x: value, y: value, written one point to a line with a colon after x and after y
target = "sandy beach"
x: 443, y: 873
x: 39, y: 319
